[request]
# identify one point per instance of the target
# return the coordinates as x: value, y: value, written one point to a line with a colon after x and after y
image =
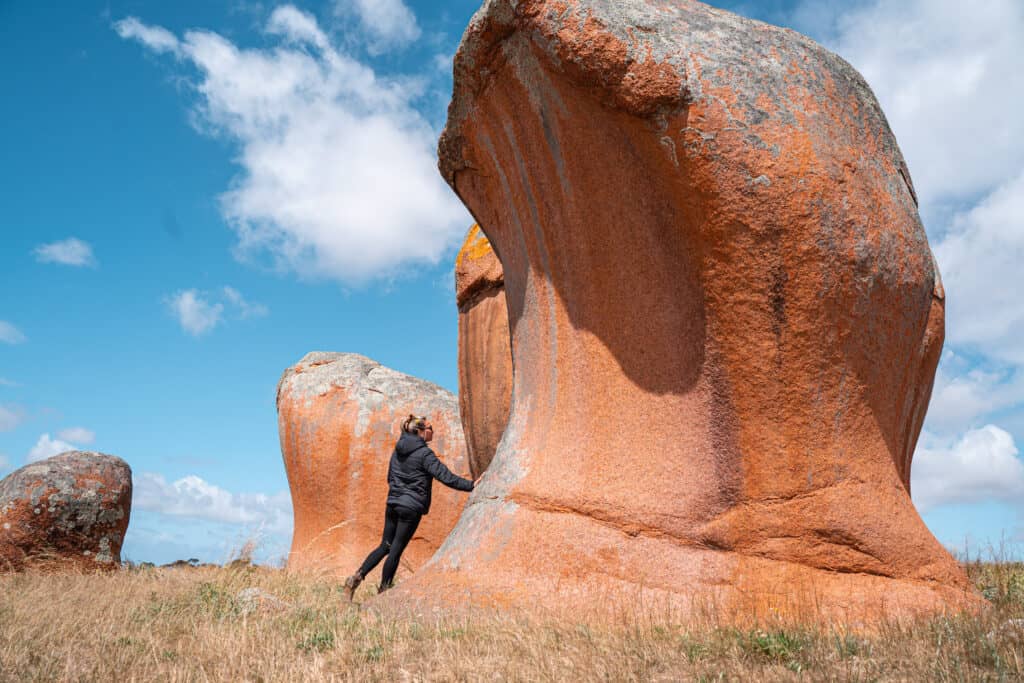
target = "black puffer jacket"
x: 412, y: 472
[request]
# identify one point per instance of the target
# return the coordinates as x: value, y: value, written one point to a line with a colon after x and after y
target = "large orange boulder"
x: 68, y: 511
x: 485, y: 357
x: 339, y: 415
x: 725, y: 319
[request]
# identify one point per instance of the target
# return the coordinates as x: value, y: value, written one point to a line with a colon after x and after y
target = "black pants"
x: 399, y: 526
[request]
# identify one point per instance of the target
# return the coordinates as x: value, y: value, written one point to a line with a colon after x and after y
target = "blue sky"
x: 196, y: 194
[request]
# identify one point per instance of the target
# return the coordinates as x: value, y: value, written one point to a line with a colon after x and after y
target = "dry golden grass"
x: 190, y: 625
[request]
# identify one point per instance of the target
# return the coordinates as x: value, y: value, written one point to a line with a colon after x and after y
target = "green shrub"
x: 318, y: 641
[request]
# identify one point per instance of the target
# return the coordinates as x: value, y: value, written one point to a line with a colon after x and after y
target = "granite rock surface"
x: 70, y: 510
x: 725, y: 319
x: 485, y: 356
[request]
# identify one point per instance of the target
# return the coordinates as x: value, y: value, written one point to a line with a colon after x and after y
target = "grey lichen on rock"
x: 371, y: 383
x: 72, y: 508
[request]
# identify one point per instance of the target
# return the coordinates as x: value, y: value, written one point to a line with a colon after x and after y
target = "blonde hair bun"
x: 413, y: 424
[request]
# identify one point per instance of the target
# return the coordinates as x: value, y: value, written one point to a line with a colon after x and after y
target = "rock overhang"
x: 758, y: 172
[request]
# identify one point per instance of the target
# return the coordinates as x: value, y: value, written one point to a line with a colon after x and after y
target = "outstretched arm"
x: 438, y: 471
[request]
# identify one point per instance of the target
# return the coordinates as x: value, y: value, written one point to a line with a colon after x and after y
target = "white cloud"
x: 388, y: 23
x: 4, y: 382
x: 193, y: 497
x: 196, y: 314
x: 964, y: 393
x: 980, y: 258
x: 199, y: 312
x: 339, y: 176
x: 154, y: 37
x: 443, y: 63
x: 980, y: 466
x: 10, y: 418
x: 10, y: 334
x: 5, y: 463
x: 296, y: 26
x: 79, y: 435
x: 47, y: 448
x: 245, y: 308
x: 69, y: 252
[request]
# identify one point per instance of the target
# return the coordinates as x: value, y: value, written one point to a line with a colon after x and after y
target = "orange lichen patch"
x: 339, y: 416
x: 477, y: 269
x: 722, y: 310
x: 474, y: 247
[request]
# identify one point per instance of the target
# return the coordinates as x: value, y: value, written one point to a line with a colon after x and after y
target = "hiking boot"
x: 351, y: 584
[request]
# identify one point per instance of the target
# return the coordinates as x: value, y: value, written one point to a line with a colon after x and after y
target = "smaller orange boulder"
x: 70, y: 510
x: 485, y: 354
x: 339, y: 415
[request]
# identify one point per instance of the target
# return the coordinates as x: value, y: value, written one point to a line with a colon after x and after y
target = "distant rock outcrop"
x: 68, y: 510
x: 485, y: 356
x: 725, y: 319
x: 339, y: 415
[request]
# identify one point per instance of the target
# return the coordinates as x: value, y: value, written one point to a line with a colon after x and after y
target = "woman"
x: 410, y: 478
